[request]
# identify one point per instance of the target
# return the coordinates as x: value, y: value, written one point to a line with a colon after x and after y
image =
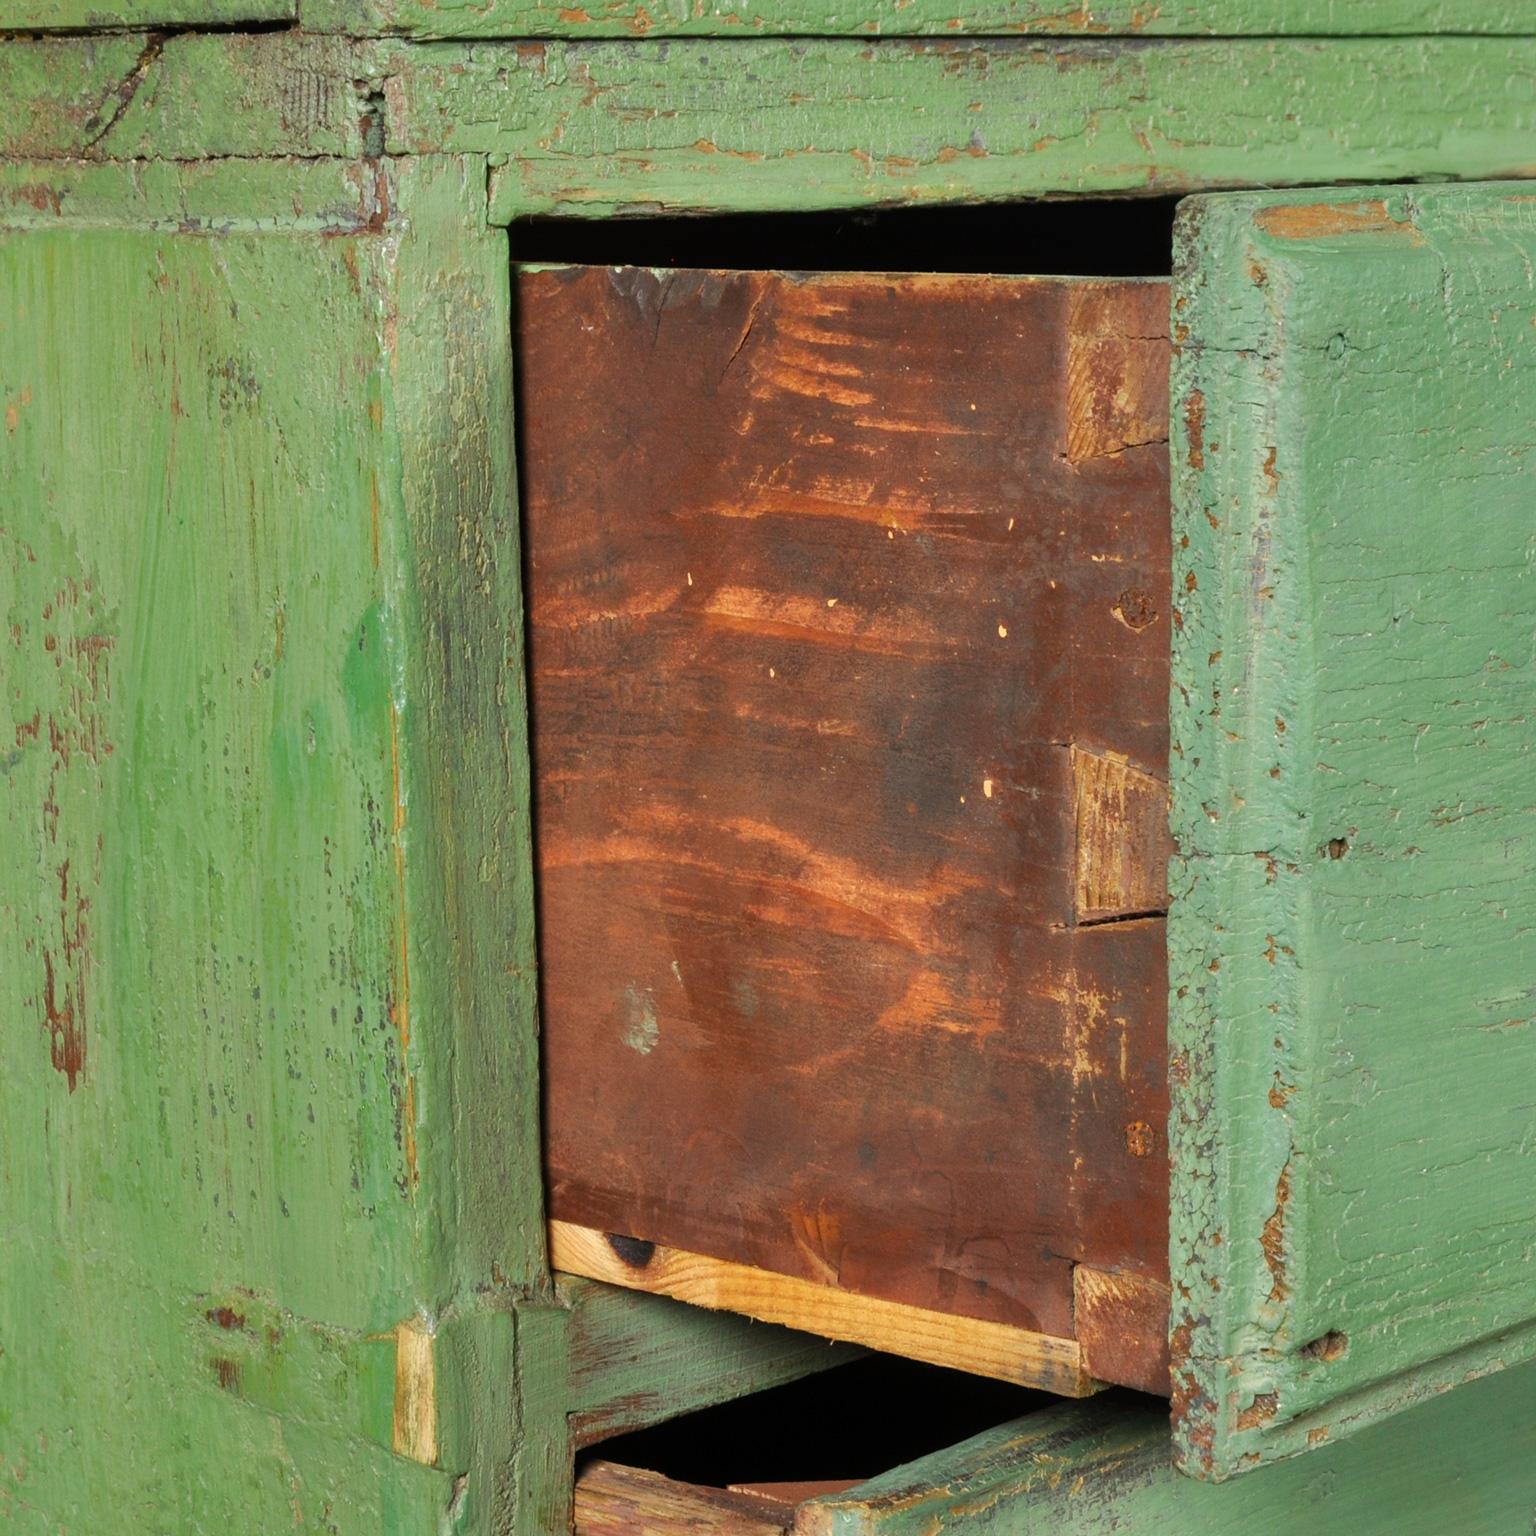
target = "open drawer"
x: 852, y: 601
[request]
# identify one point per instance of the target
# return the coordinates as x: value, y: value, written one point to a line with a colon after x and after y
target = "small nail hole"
x: 1332, y: 1346
x: 1338, y: 847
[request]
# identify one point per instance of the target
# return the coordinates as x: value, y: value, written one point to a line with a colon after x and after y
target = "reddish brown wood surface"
x: 828, y: 578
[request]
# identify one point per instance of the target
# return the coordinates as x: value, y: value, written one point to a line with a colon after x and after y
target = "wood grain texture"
x: 817, y: 605
x: 760, y: 125
x: 1351, y: 939
x: 637, y: 1359
x: 961, y: 1343
x: 892, y: 18
x: 255, y: 1234
x: 763, y: 124
x: 629, y: 1501
x: 1123, y: 845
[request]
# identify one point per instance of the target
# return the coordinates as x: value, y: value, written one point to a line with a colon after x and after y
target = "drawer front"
x: 1353, y: 931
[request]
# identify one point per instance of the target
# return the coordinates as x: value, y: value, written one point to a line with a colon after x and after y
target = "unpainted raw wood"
x: 1122, y: 837
x: 820, y: 603
x: 965, y: 1344
x: 612, y: 1500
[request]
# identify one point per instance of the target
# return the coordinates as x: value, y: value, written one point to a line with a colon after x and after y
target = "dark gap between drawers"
x: 843, y: 1425
x: 1101, y: 237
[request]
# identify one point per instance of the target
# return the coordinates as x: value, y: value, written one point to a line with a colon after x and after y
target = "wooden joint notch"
x: 969, y: 1344
x: 1123, y: 841
x: 1121, y: 1322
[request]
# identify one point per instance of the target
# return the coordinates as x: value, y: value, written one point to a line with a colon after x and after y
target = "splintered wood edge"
x: 969, y: 1344
x: 620, y: 1501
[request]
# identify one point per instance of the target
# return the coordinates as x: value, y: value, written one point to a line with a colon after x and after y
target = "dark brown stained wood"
x: 835, y: 583
x: 1122, y: 1326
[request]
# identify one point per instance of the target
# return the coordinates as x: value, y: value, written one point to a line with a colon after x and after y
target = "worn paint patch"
x: 415, y: 1418
x: 1318, y: 221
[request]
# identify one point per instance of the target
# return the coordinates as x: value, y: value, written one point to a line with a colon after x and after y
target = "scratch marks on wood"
x: 107, y: 115
x: 1121, y: 1321
x: 1117, y: 383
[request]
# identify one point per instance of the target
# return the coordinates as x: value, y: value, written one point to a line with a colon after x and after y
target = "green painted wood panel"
x: 1353, y: 932
x: 271, y: 1187
x: 1464, y: 1465
x: 637, y: 1359
x: 813, y: 18
x: 85, y: 15
x: 757, y: 124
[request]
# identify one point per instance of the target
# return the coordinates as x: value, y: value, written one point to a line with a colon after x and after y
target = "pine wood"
x: 828, y: 578
x: 613, y: 1500
x: 966, y: 1344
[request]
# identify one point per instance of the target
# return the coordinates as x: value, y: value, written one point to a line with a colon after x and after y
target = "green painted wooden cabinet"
x: 274, y: 1248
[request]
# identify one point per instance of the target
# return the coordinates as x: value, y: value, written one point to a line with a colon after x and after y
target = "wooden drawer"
x: 855, y: 602
x: 849, y: 611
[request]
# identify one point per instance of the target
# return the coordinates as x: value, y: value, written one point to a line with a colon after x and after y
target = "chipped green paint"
x: 1464, y: 1465
x: 756, y: 124
x: 271, y: 1169
x: 1351, y: 936
x: 104, y: 15
x: 271, y: 1090
x: 892, y: 18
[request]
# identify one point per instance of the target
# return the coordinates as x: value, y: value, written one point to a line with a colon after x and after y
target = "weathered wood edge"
x: 1237, y: 874
x: 616, y: 1500
x: 212, y: 197
x: 596, y: 129
x: 967, y: 1344
x: 637, y: 1359
x: 112, y: 15
x: 982, y: 1478
x: 887, y: 18
x: 466, y: 1009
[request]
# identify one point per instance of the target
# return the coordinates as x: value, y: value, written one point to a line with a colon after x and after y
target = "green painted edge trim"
x: 465, y: 19
x: 998, y: 1474
x: 105, y: 15
x: 761, y: 125
x: 211, y: 198
x: 466, y: 779
x: 1238, y: 874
